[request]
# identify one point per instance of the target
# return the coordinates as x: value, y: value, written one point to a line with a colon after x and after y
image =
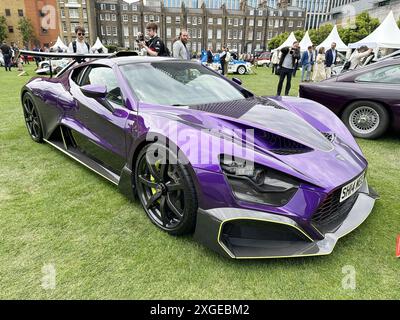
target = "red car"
x: 367, y: 99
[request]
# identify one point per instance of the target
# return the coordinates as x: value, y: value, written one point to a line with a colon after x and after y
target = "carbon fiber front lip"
x: 210, y: 223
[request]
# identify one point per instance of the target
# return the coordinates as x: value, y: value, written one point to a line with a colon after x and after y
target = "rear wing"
x: 75, y: 57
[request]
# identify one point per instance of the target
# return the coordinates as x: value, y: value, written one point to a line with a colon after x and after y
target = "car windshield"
x: 178, y: 83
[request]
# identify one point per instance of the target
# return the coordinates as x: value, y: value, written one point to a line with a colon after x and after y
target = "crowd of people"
x: 316, y: 65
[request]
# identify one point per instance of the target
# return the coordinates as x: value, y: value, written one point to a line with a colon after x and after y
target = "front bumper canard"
x: 248, y: 234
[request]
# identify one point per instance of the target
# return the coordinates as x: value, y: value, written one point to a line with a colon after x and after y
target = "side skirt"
x: 83, y: 159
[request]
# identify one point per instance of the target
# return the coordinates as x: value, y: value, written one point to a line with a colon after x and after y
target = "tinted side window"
x: 104, y: 76
x: 389, y: 74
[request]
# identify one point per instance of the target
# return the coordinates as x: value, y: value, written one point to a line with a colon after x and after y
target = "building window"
x: 269, y: 34
x: 259, y: 23
x: 250, y: 35
x: 177, y: 32
x: 280, y: 13
x: 236, y: 22
x: 168, y: 19
x: 258, y: 35
x: 210, y: 33
x: 291, y: 14
x: 235, y: 34
x: 157, y: 19
x: 146, y: 18
x: 177, y: 19
x: 125, y: 17
x: 241, y: 22
x: 8, y: 12
x: 194, y: 21
x: 151, y: 18
x: 260, y: 12
x: 194, y: 33
x: 135, y: 30
x: 107, y: 16
x: 134, y: 7
x: 114, y: 17
x: 135, y: 18
x: 102, y: 30
x: 112, y: 7
x: 102, y: 6
x: 281, y: 23
x: 108, y: 30
x: 219, y: 34
x: 62, y: 13
x: 84, y: 12
x: 114, y: 29
x: 74, y: 13
x: 199, y: 20
x: 169, y: 32
x: 230, y: 21
x: 251, y: 22
x: 20, y: 13
x: 64, y: 26
x: 229, y: 33
x: 276, y: 24
x: 299, y: 24
x: 188, y: 20
x: 219, y: 21
x: 125, y: 7
x: 199, y: 33
x: 299, y: 14
x: 210, y: 20
x: 126, y: 31
x: 290, y: 24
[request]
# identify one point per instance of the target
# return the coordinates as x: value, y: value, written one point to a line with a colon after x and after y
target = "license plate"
x: 351, y: 188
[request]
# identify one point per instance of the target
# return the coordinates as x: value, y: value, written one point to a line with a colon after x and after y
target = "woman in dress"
x: 319, y: 67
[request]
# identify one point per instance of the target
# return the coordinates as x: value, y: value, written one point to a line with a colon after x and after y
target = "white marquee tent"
x: 59, y: 45
x: 333, y: 37
x: 305, y: 42
x: 387, y: 35
x: 288, y: 43
x: 99, y: 46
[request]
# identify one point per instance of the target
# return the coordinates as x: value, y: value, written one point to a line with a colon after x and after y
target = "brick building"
x: 13, y: 11
x: 244, y: 30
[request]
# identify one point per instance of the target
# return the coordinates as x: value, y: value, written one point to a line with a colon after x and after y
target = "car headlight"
x: 253, y: 182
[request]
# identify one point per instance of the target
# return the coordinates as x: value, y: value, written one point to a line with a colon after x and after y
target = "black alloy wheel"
x: 166, y: 190
x: 32, y: 119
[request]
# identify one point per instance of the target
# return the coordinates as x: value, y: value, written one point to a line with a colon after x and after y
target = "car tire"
x: 366, y: 119
x: 241, y: 70
x: 165, y: 189
x: 32, y: 118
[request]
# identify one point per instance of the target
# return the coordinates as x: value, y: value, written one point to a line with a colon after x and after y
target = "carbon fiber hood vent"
x: 235, y: 109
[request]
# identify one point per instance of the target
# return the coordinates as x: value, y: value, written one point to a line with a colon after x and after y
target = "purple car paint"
x: 297, y: 144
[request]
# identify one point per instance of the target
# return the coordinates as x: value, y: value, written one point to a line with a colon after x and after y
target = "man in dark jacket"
x: 289, y: 59
x: 7, y: 55
x: 330, y: 59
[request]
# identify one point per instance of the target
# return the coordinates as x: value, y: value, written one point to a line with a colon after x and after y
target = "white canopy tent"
x: 387, y: 35
x: 288, y: 43
x: 305, y: 42
x: 333, y: 37
x: 98, y: 46
x: 59, y: 45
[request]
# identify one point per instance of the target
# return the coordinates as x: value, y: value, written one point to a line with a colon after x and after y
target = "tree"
x: 3, y: 29
x: 278, y: 40
x: 317, y: 36
x: 26, y: 29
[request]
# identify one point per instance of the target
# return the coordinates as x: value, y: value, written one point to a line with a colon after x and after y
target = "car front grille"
x: 332, y: 213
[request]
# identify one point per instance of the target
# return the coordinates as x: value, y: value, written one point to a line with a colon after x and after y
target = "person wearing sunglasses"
x: 79, y: 45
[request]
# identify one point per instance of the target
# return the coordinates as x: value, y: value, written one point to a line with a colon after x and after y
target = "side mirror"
x: 237, y: 80
x: 99, y: 93
x: 95, y: 91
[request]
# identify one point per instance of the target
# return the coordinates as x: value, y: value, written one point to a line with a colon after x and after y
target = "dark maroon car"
x: 366, y: 99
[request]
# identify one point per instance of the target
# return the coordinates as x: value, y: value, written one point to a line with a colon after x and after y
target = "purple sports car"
x: 367, y: 99
x: 250, y: 176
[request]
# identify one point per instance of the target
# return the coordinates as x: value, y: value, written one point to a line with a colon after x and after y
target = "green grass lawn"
x: 55, y: 211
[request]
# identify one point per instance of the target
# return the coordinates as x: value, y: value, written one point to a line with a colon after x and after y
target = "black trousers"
x: 285, y: 73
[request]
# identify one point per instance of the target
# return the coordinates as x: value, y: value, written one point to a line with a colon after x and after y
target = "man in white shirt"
x: 79, y: 45
x: 358, y: 55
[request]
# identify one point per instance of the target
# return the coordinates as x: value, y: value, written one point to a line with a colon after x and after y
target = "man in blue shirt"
x: 307, y: 61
